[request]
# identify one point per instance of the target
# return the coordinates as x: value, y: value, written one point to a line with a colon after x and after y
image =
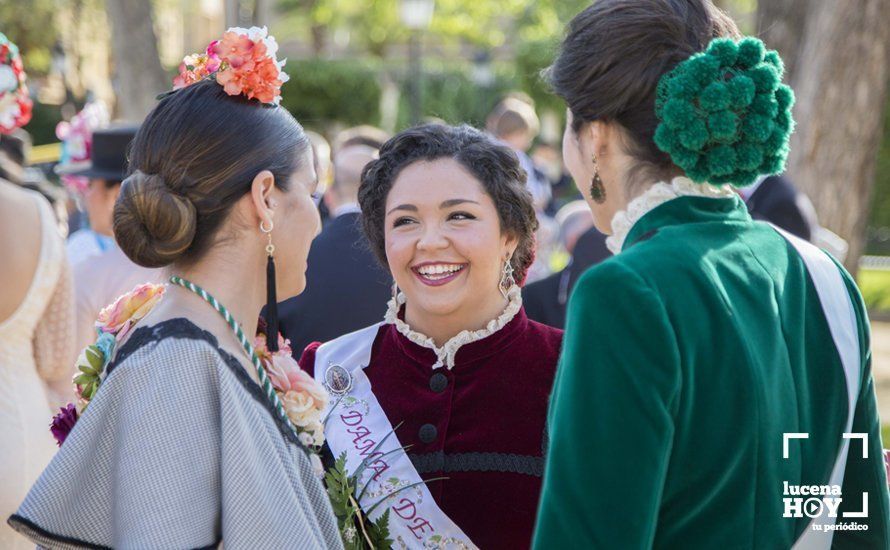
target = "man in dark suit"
x: 545, y: 300
x: 775, y: 199
x: 346, y: 289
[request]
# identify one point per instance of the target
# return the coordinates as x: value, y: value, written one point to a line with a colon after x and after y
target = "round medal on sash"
x: 338, y: 380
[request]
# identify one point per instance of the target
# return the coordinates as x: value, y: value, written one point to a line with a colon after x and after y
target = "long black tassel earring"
x: 271, y: 296
x: 597, y: 189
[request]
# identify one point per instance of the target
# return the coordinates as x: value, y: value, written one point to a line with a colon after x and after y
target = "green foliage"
x: 449, y: 93
x: 42, y: 126
x: 354, y: 525
x: 320, y: 92
x: 725, y: 116
x: 323, y: 92
x: 378, y: 531
x: 375, y: 25
x: 25, y: 23
x: 90, y: 371
x: 532, y: 29
x: 875, y: 287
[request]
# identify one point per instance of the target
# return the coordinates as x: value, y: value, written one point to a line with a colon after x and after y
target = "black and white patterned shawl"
x: 178, y: 449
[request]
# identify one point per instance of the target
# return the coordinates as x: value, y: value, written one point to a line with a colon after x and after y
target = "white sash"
x: 838, y: 309
x: 358, y: 426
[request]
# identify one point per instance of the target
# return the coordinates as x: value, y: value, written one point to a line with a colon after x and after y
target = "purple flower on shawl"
x: 63, y: 423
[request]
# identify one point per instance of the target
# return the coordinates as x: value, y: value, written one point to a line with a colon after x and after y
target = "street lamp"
x: 417, y: 16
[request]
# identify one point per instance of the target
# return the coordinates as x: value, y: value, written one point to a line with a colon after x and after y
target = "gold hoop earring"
x: 270, y: 248
x: 597, y: 189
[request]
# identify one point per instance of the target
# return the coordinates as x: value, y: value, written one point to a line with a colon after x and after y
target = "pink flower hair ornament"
x: 15, y: 103
x: 76, y: 136
x: 243, y: 62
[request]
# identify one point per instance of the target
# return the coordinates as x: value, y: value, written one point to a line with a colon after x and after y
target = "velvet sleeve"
x: 865, y: 475
x: 307, y: 360
x: 611, y: 417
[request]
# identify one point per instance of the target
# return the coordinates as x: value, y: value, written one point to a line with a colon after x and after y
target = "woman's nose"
x: 432, y: 238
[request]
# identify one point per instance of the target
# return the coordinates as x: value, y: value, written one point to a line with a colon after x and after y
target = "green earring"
x: 597, y: 189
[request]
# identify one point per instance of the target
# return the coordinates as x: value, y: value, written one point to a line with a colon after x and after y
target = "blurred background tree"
x: 838, y: 56
x: 26, y: 25
x: 138, y: 70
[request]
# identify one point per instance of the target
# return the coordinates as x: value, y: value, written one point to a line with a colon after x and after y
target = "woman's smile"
x: 438, y: 273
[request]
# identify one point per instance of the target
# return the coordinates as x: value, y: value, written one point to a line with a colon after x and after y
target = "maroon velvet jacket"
x: 480, y: 424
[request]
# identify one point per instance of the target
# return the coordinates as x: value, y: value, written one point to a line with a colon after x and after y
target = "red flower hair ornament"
x: 243, y: 62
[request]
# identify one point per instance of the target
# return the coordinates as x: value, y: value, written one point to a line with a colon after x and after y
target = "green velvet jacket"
x: 686, y: 357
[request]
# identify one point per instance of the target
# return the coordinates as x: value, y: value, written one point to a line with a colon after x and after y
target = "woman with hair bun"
x: 183, y: 443
x: 445, y: 399
x: 693, y: 353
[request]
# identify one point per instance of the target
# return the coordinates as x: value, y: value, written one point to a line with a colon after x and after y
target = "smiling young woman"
x: 455, y: 366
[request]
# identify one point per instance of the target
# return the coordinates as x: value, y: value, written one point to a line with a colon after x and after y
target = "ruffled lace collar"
x: 657, y: 195
x: 445, y: 355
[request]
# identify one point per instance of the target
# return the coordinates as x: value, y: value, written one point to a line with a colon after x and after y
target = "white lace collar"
x: 445, y: 354
x: 657, y: 195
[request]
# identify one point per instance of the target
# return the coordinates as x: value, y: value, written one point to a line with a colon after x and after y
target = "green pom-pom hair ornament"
x: 725, y: 116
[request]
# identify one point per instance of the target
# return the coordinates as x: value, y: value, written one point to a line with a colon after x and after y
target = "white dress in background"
x: 36, y: 346
x: 98, y: 281
x: 84, y: 244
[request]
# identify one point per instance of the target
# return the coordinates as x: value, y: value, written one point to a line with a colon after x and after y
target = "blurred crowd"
x: 342, y: 271
x: 63, y: 265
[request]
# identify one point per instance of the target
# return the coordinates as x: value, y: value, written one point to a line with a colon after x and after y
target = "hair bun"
x: 725, y: 116
x: 153, y: 225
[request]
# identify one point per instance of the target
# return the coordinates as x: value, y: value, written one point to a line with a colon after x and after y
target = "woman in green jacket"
x: 711, y: 368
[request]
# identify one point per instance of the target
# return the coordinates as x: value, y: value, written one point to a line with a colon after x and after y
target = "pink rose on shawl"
x: 127, y: 310
x: 262, y: 350
x: 287, y: 376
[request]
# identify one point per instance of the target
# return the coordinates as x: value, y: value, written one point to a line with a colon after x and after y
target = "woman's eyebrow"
x: 446, y: 204
x: 454, y: 202
x: 409, y: 207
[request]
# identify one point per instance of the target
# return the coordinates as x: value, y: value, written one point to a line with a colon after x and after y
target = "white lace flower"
x: 306, y: 439
x: 317, y: 466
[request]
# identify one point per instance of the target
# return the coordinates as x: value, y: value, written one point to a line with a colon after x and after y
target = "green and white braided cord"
x: 245, y: 343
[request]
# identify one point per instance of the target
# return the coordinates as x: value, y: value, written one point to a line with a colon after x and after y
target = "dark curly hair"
x: 495, y: 166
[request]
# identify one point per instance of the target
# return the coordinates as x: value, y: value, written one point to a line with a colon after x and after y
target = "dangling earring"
x: 271, y: 296
x: 395, y: 292
x: 597, y: 189
x: 507, y: 281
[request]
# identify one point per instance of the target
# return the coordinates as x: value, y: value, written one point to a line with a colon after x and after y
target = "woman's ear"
x: 261, y: 195
x: 511, y: 243
x: 597, y: 135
